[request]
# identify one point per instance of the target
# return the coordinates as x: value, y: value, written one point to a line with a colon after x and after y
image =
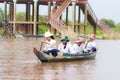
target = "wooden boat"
x: 64, y: 57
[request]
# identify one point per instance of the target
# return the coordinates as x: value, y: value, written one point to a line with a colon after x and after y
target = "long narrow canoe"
x: 64, y: 57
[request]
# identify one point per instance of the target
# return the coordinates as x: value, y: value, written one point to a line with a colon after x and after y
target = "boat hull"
x: 64, y: 57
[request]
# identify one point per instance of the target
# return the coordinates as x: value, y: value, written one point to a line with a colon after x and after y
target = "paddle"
x: 41, y: 46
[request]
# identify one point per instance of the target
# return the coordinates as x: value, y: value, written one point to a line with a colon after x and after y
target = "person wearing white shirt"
x: 90, y: 45
x: 65, y: 46
x: 50, y: 44
x: 77, y: 48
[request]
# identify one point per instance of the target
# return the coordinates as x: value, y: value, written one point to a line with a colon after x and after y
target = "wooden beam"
x: 14, y: 26
x: 79, y: 17
x: 35, y: 17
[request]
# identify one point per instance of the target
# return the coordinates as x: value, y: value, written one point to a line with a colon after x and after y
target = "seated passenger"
x: 78, y: 46
x: 65, y: 46
x: 50, y: 44
x: 90, y: 45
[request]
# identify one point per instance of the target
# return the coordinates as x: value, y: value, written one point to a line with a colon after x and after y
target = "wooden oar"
x: 41, y: 46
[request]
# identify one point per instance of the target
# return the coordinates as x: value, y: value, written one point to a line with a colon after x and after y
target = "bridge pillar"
x: 73, y: 15
x: 94, y: 30
x: 5, y: 10
x: 11, y: 6
x: 67, y: 16
x: 54, y: 30
x: 35, y: 17
x: 14, y: 25
x: 79, y: 17
x: 85, y: 19
x: 28, y: 17
x: 49, y: 10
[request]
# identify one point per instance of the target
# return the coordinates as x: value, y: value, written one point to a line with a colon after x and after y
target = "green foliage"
x: 90, y: 29
x: 41, y: 18
x: 1, y: 14
x: 1, y: 31
x: 117, y: 27
x: 21, y: 16
x: 42, y: 29
x: 110, y: 22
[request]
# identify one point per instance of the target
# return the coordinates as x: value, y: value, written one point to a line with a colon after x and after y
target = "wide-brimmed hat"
x: 65, y: 39
x: 93, y: 36
x: 79, y: 39
x: 48, y: 34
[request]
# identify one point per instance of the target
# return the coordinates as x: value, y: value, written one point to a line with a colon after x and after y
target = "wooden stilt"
x: 14, y: 25
x: 73, y: 15
x: 67, y: 16
x: 49, y: 10
x: 35, y: 17
x: 85, y: 19
x: 5, y: 10
x: 79, y: 17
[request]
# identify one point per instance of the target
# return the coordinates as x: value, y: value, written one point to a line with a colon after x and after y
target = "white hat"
x: 79, y: 39
x: 47, y: 34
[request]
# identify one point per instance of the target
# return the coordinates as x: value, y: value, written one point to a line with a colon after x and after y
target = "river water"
x: 18, y: 62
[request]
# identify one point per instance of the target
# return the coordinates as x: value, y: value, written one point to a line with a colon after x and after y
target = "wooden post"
x: 54, y: 30
x: 11, y: 6
x: 85, y: 19
x: 75, y: 19
x: 49, y: 12
x: 73, y: 15
x: 94, y: 30
x: 14, y: 26
x: 79, y: 17
x: 28, y: 17
x: 35, y: 16
x: 67, y: 16
x: 5, y: 10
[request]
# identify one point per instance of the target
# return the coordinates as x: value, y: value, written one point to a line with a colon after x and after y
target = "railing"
x: 61, y: 8
x: 59, y: 25
x: 105, y: 27
x: 8, y: 29
x: 62, y: 28
x: 92, y: 13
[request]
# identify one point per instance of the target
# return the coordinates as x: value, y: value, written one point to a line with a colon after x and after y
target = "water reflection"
x: 17, y: 62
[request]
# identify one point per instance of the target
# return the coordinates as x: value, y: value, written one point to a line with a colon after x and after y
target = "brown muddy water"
x: 18, y: 62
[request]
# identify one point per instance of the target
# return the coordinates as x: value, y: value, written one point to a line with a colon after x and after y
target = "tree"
x: 110, y: 22
x: 21, y: 16
x: 117, y: 27
x: 1, y: 14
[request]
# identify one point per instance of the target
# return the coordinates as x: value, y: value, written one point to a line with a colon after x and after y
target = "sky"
x: 108, y: 9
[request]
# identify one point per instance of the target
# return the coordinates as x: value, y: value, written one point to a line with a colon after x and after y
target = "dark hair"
x: 52, y: 37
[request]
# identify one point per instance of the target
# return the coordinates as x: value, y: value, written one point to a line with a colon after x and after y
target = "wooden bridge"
x: 54, y: 17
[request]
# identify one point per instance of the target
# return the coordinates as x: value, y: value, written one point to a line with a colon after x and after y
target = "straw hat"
x: 65, y: 39
x: 48, y: 34
x: 79, y: 39
x: 93, y: 36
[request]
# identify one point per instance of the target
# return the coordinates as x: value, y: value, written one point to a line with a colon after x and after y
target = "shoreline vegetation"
x: 43, y: 28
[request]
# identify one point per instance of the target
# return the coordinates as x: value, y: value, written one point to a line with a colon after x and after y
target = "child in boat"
x: 50, y: 44
x: 90, y: 45
x: 78, y: 46
x: 65, y: 46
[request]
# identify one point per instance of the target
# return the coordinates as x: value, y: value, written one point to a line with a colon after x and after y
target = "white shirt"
x: 90, y: 45
x: 77, y: 49
x: 50, y: 45
x: 64, y: 50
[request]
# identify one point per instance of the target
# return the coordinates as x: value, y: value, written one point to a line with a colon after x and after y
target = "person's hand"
x: 85, y: 50
x: 43, y: 50
x: 44, y: 42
